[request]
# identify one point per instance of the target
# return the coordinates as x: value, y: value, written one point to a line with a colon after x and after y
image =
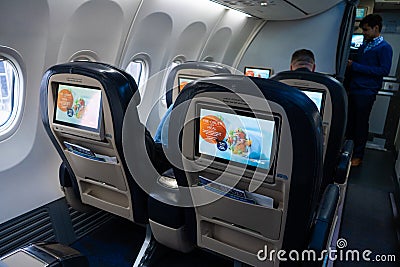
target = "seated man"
x: 302, y: 59
x: 161, y: 136
x: 161, y: 140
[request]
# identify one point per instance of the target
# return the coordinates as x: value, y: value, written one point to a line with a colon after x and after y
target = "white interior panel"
x: 394, y: 40
x: 26, y: 33
x: 391, y: 33
x: 100, y: 26
x: 191, y: 40
x: 28, y: 162
x: 242, y: 36
x: 164, y: 30
x: 152, y: 36
x: 277, y: 41
x: 218, y: 44
x: 60, y: 14
x: 93, y: 25
x: 160, y: 21
x: 228, y: 37
x: 314, y: 6
x: 378, y: 115
x: 33, y: 182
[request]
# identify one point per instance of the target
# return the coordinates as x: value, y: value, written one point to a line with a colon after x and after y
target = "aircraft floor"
x: 368, y: 222
x: 117, y: 243
x: 114, y: 244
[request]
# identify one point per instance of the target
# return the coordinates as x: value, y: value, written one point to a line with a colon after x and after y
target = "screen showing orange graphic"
x: 78, y: 107
x: 239, y: 138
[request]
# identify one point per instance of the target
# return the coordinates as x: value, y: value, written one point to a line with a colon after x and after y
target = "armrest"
x: 342, y: 171
x: 324, y: 218
x: 45, y: 254
x: 71, y: 190
x: 64, y: 176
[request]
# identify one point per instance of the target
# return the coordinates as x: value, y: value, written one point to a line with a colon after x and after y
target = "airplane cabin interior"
x: 173, y: 133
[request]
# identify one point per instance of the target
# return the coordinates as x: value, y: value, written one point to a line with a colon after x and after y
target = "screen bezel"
x: 259, y: 68
x: 185, y: 76
x: 70, y: 127
x: 220, y: 163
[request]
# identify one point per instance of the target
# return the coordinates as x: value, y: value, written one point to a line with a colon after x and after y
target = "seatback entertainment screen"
x: 361, y: 12
x: 316, y: 96
x: 78, y: 107
x: 258, y: 72
x: 238, y: 138
x: 356, y: 41
x: 183, y: 80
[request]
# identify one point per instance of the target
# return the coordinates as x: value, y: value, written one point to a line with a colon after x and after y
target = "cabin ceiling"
x: 280, y: 9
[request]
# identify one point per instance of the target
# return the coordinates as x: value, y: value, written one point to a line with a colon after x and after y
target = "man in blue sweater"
x: 372, y: 63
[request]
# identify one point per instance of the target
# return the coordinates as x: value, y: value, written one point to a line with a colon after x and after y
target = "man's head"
x: 371, y: 26
x: 302, y: 58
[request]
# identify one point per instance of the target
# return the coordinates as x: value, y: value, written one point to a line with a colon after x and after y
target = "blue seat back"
x: 293, y: 181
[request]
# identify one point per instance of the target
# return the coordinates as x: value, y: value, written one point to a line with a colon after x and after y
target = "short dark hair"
x: 372, y: 20
x: 303, y: 55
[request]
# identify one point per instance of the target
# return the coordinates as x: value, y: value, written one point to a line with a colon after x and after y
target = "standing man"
x: 372, y: 63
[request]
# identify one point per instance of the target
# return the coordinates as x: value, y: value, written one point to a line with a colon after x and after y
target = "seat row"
x: 240, y: 166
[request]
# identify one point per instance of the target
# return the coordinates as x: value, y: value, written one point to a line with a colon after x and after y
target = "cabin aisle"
x: 368, y: 221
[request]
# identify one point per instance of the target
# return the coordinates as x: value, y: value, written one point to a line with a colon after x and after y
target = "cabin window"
x: 139, y: 70
x: 209, y: 59
x: 84, y: 55
x: 10, y: 96
x: 82, y: 58
x: 174, y: 64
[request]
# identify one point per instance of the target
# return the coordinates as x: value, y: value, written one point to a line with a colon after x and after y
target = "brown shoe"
x: 356, y: 162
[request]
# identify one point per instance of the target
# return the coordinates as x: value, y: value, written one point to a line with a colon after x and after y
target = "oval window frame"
x: 14, y: 120
x: 84, y: 55
x: 177, y: 60
x: 141, y: 81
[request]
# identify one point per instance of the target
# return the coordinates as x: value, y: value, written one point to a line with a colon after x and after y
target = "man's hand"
x: 349, y: 62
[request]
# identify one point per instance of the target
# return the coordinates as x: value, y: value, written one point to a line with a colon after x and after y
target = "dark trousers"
x: 359, y: 109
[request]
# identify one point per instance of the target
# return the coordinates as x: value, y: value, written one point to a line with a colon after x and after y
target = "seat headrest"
x: 112, y: 78
x: 337, y: 122
x: 300, y: 141
x: 194, y: 69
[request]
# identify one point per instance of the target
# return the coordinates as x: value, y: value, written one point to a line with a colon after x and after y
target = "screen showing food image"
x: 257, y: 72
x: 315, y: 97
x: 236, y: 138
x: 78, y: 106
x: 182, y: 81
